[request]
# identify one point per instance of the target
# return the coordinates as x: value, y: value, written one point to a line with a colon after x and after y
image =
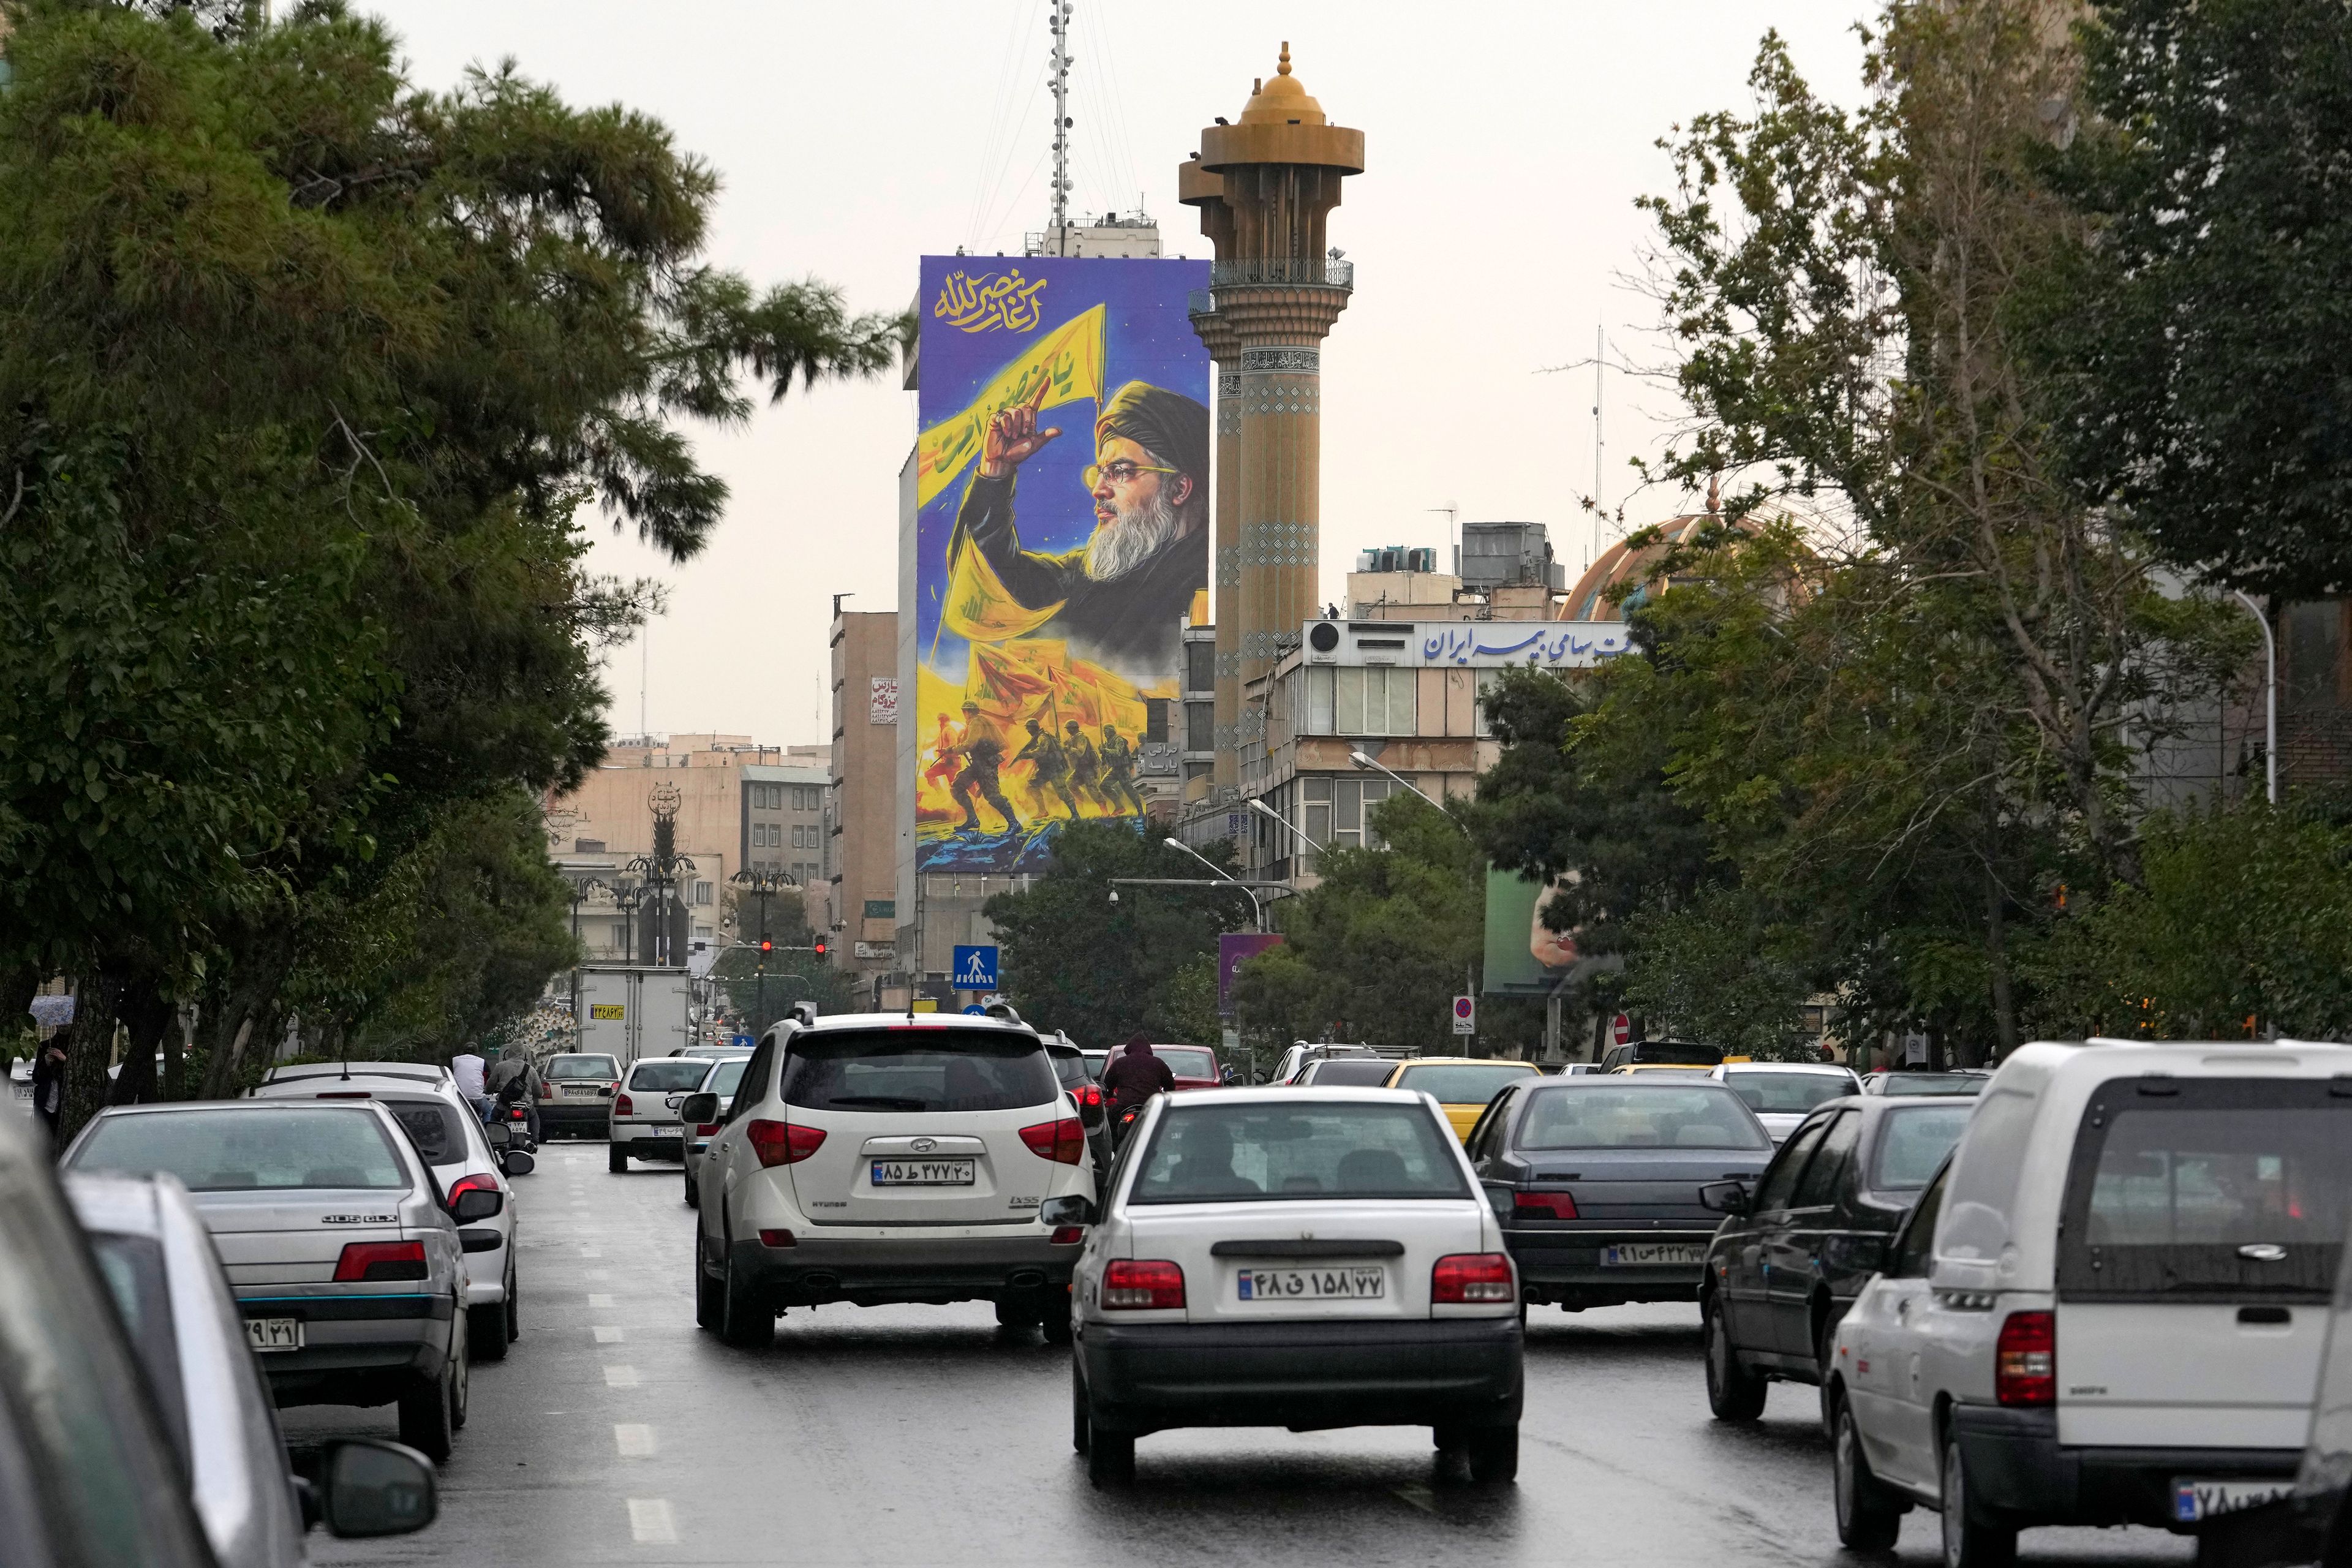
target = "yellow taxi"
x: 1462, y: 1085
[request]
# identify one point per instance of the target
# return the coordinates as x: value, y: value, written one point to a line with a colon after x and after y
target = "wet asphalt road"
x: 616, y: 1432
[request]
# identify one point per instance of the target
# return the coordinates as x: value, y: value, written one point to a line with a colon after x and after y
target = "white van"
x: 2110, y: 1306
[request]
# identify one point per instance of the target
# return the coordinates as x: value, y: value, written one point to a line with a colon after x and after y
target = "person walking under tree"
x: 1119, y: 762
x: 1052, y: 767
x: 984, y: 755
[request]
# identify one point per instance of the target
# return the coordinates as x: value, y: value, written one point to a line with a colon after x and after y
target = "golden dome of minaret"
x: 1283, y: 101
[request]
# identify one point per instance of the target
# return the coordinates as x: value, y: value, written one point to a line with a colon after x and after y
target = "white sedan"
x: 1294, y: 1258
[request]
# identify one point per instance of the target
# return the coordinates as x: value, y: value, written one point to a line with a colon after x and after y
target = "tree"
x: 2195, y: 329
x: 304, y: 378
x: 1099, y: 971
x: 1718, y: 971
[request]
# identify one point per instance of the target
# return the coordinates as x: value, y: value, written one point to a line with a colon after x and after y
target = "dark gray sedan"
x: 1596, y: 1182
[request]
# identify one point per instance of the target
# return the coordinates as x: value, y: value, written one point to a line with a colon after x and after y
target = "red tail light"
x: 777, y: 1238
x: 1088, y: 1096
x: 1150, y: 1285
x: 1061, y: 1142
x: 471, y: 1185
x: 2025, y: 1360
x: 370, y: 1262
x: 624, y: 1106
x: 778, y: 1144
x: 1544, y: 1205
x: 1069, y: 1234
x: 1463, y: 1278
x: 705, y: 1129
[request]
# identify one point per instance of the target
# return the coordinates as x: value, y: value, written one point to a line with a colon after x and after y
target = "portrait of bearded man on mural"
x: 1122, y: 595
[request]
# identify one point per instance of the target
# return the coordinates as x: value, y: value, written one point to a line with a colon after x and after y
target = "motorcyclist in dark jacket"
x: 1133, y: 1077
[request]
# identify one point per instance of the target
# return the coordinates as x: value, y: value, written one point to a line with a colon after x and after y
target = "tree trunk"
x: 175, y: 1058
x: 259, y: 956
x: 148, y: 1015
x: 90, y: 1050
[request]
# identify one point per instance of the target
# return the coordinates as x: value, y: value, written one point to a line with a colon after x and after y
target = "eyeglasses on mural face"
x: 1119, y: 471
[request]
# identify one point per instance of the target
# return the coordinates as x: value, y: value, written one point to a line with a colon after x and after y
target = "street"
x: 615, y: 1432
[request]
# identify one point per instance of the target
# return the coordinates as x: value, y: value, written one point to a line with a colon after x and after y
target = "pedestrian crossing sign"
x: 975, y: 969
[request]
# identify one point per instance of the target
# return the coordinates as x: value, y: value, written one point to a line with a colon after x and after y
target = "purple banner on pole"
x: 1232, y: 949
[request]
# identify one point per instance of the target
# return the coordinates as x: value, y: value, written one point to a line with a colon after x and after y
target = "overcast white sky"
x: 1493, y: 232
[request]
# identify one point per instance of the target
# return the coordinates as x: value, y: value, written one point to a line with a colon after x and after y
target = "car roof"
x: 429, y: 1072
x: 1647, y: 1081
x: 1831, y: 1068
x: 374, y: 1083
x: 1286, y: 1094
x: 1460, y: 1062
x: 830, y: 1023
x: 246, y: 1107
x: 114, y: 1200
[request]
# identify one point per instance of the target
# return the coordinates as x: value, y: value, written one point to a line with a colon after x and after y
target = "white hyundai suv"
x: 877, y: 1158
x: 2109, y: 1307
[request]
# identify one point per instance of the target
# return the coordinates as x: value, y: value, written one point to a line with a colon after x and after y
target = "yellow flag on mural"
x: 1069, y: 359
x: 979, y: 606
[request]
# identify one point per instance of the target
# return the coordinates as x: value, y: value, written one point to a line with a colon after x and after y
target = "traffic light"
x: 820, y: 947
x: 766, y: 947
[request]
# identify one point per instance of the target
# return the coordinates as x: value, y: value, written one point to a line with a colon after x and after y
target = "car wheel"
x: 1111, y: 1456
x: 1080, y: 1427
x: 485, y: 1331
x: 617, y: 1158
x: 424, y: 1416
x: 514, y: 1309
x: 693, y: 1198
x: 1733, y: 1393
x: 1017, y: 1311
x: 461, y: 1382
x: 1869, y: 1514
x: 1970, y: 1541
x: 706, y: 1289
x: 1494, y: 1455
x: 1059, y: 1329
x: 743, y: 1322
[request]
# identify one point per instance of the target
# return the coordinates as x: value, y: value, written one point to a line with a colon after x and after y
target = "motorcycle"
x: 508, y: 1131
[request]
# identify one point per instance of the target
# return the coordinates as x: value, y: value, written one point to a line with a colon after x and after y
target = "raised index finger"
x: 1037, y: 398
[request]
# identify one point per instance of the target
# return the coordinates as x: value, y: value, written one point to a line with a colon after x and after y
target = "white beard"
x: 1131, y: 539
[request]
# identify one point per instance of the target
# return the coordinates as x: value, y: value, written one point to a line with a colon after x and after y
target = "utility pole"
x: 1060, y: 60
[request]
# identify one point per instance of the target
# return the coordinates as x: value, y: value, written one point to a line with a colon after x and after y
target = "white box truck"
x: 627, y: 1010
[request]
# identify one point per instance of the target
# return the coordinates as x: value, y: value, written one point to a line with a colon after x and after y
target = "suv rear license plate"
x: 274, y: 1333
x: 1367, y: 1284
x: 1649, y: 1254
x: 923, y: 1173
x: 2193, y: 1501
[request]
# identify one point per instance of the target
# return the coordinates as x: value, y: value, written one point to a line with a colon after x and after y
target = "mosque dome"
x: 1589, y: 601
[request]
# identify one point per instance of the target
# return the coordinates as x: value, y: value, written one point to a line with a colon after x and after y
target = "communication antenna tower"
x: 1059, y: 25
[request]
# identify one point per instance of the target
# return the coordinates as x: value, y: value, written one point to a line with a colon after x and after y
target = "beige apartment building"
x: 862, y: 860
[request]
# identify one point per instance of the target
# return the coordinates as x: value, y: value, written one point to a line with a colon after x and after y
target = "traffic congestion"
x: 2099, y: 1290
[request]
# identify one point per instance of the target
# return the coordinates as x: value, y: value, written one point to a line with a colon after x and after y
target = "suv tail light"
x: 1149, y: 1286
x: 1061, y: 1142
x: 624, y: 1106
x: 2025, y: 1360
x: 370, y: 1262
x: 778, y: 1143
x: 1544, y: 1205
x: 1462, y: 1279
x: 1089, y: 1096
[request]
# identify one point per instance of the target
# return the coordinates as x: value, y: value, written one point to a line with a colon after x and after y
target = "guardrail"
x: 1310, y: 271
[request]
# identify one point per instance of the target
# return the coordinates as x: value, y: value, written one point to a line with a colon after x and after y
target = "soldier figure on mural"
x: 1118, y: 760
x: 982, y: 753
x: 942, y: 770
x: 1053, y: 767
x: 1085, y: 768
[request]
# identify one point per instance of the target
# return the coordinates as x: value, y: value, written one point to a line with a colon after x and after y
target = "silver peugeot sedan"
x: 346, y: 1263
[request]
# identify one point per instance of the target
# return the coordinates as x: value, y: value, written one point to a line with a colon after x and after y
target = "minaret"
x: 1263, y: 187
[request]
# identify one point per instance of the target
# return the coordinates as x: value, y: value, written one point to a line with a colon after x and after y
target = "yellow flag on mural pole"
x: 979, y: 606
x: 1069, y: 359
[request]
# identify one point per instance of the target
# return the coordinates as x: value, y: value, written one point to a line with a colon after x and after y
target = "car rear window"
x: 1933, y: 1083
x: 1187, y: 1061
x: 1227, y: 1153
x: 1913, y: 1141
x: 2208, y: 1189
x: 1675, y: 1052
x: 1069, y: 1067
x: 248, y: 1150
x: 1354, y: 1072
x: 1699, y: 1116
x: 1790, y: 1093
x: 917, y: 1070
x: 1461, y: 1085
x: 669, y: 1075
x: 433, y: 1126
x: 603, y: 1067
x: 725, y: 1077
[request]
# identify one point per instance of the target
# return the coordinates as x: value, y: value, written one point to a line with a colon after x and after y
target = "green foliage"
x: 2197, y: 335
x: 2244, y: 924
x: 1717, y: 971
x: 1102, y: 972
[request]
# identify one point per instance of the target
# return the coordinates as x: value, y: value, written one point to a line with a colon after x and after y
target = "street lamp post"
x: 1255, y: 902
x: 1257, y: 804
x: 580, y: 892
x: 2270, y: 698
x: 625, y: 899
x: 762, y: 882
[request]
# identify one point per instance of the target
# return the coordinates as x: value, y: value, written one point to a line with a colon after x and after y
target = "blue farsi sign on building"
x: 975, y: 969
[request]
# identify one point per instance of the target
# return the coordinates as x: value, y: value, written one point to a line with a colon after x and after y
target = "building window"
x: 1155, y: 721
x: 1334, y: 813
x: 1487, y: 680
x: 800, y: 837
x: 1200, y: 666
x: 1199, y: 726
x: 1379, y: 700
x: 702, y: 892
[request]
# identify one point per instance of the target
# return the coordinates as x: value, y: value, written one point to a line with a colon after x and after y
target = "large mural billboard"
x: 1061, y: 530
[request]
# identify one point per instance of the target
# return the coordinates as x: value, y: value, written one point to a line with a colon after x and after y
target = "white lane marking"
x: 605, y: 1336
x: 620, y: 1377
x: 1422, y: 1498
x: 635, y: 1439
x: 600, y: 1274
x: 651, y: 1522
x: 595, y: 1300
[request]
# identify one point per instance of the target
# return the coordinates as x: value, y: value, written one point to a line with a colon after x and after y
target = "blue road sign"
x: 743, y: 1042
x: 975, y: 969
x: 975, y: 1009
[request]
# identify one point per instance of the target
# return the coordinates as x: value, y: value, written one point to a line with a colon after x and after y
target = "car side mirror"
x: 476, y: 1204
x: 1723, y: 1197
x: 700, y: 1107
x: 518, y: 1162
x: 1070, y: 1209
x: 377, y: 1488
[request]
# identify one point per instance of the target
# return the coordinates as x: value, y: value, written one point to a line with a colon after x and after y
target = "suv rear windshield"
x: 1227, y: 1153
x: 1913, y: 1141
x: 669, y: 1075
x: 1461, y: 1085
x: 248, y: 1150
x: 1699, y: 1116
x: 917, y: 1071
x: 2208, y: 1189
x: 583, y: 1067
x: 1788, y: 1092
x: 433, y: 1127
x: 1349, y: 1072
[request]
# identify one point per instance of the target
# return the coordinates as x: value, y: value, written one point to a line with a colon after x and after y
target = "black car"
x: 1801, y: 1244
x: 1596, y: 1180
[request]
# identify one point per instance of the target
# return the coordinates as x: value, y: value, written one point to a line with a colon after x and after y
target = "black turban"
x: 1169, y: 424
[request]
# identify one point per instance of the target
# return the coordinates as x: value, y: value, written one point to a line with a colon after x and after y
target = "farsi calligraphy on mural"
x: 989, y: 301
